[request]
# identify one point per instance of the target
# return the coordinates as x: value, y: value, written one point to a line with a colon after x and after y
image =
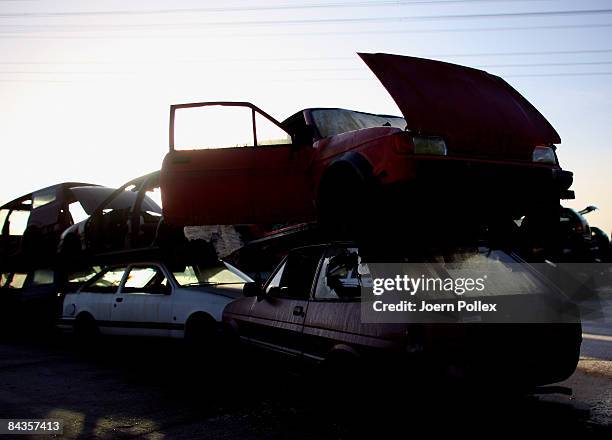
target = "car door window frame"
x: 321, y: 275
x: 254, y: 110
x: 283, y: 264
x: 159, y: 268
x: 86, y: 286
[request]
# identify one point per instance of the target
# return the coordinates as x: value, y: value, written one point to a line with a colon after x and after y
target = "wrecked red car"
x: 464, y: 133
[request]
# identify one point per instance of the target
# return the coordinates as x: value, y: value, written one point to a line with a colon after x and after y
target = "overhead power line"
x: 322, y: 79
x: 213, y: 60
x: 313, y: 69
x: 293, y: 22
x: 41, y: 35
x: 328, y: 5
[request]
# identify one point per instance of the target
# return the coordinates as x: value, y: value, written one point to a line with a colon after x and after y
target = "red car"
x: 463, y: 132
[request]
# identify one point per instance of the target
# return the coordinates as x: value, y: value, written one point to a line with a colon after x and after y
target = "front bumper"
x: 488, y: 177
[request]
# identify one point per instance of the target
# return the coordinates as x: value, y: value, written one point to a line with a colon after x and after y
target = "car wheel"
x: 200, y: 332
x: 344, y: 202
x: 85, y: 330
x: 338, y: 381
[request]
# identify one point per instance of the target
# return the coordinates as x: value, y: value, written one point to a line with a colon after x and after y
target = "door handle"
x: 119, y: 300
x: 298, y: 311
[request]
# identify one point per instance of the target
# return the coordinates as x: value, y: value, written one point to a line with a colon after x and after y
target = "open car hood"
x: 472, y: 109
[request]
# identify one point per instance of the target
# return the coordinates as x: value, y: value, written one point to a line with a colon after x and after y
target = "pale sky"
x: 86, y: 86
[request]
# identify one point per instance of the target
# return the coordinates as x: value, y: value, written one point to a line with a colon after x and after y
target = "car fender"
x: 81, y: 306
x: 357, y: 163
x: 188, y: 303
x: 350, y: 160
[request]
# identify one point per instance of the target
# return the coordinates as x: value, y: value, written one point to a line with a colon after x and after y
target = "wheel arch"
x: 199, y: 316
x: 352, y: 161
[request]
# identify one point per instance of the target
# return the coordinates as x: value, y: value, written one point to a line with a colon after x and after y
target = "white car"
x: 153, y: 299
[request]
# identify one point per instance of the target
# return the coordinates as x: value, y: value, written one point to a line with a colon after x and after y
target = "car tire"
x: 86, y: 330
x: 200, y: 332
x: 344, y: 201
x: 337, y: 384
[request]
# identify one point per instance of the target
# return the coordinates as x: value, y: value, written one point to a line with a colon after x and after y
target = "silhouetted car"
x: 310, y: 309
x: 464, y: 134
x: 33, y: 223
x: 31, y: 300
x: 126, y: 218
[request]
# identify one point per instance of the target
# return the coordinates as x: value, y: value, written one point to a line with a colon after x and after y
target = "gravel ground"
x: 145, y: 389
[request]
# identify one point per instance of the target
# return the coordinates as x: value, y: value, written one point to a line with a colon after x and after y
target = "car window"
x: 4, y: 276
x: 213, y: 127
x: 43, y: 277
x: 342, y: 275
x: 17, y: 281
x: 268, y: 133
x: 146, y: 279
x: 224, y: 126
x: 77, y: 212
x: 107, y: 282
x: 18, y: 221
x: 217, y: 274
x: 42, y: 198
x: 331, y: 122
x: 294, y: 279
x: 83, y: 275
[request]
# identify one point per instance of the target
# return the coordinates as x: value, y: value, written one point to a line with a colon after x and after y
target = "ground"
x: 145, y: 389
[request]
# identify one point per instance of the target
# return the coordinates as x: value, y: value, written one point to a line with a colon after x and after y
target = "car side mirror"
x: 251, y: 290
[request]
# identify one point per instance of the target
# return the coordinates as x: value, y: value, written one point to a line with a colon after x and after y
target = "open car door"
x: 232, y: 163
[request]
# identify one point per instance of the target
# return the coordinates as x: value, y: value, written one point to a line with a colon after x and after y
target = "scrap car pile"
x: 253, y: 228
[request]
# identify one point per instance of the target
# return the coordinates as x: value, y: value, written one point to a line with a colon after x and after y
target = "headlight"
x: 544, y: 155
x: 432, y: 145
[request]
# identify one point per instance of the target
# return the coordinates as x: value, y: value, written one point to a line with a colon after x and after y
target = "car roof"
x: 17, y: 201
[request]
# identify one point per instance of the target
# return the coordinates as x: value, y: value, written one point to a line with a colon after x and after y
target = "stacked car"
x: 470, y: 165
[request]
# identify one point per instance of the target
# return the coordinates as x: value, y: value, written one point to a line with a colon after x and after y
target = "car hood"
x: 472, y: 109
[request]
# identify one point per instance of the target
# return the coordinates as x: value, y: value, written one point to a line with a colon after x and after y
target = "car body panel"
x: 472, y: 109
